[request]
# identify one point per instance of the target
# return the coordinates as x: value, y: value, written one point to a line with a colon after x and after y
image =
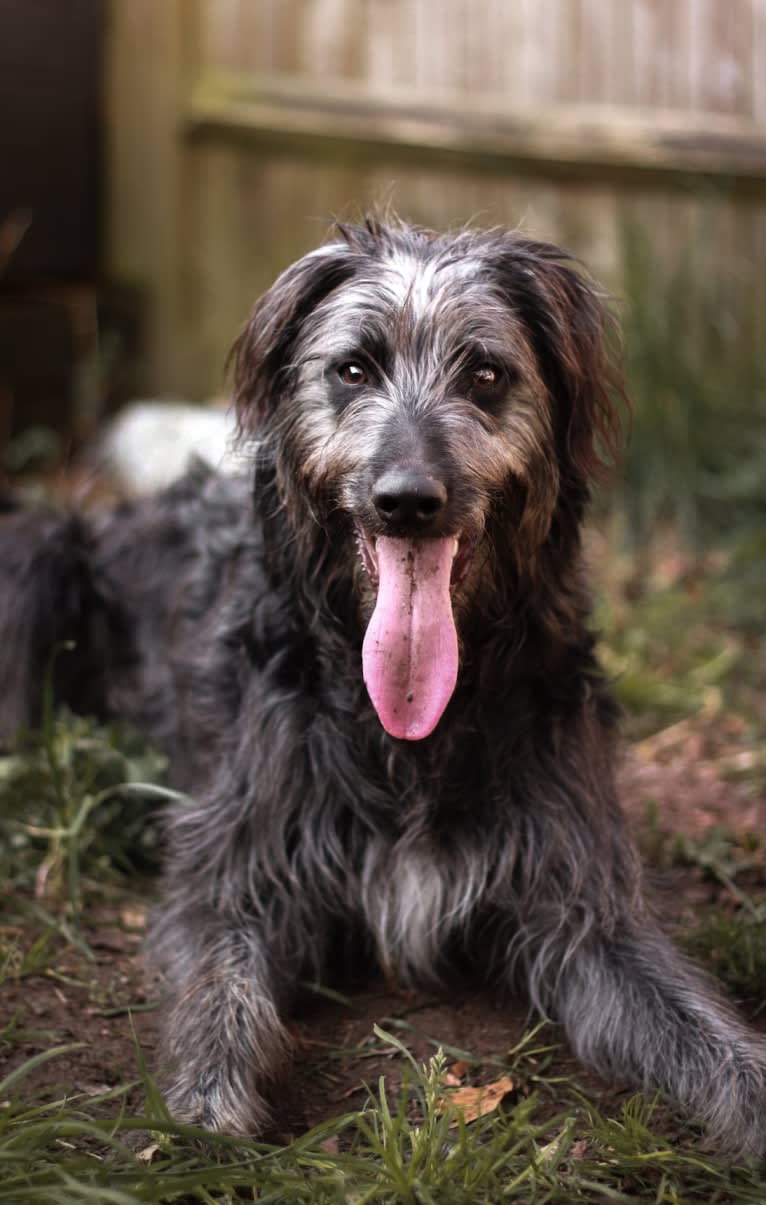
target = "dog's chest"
x: 415, y: 899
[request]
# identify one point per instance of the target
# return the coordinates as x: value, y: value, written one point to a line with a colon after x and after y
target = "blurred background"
x: 162, y: 160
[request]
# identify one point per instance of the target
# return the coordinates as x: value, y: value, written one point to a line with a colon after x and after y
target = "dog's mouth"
x: 410, y: 649
x: 462, y: 550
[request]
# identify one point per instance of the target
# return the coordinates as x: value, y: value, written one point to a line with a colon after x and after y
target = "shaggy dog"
x: 372, y: 668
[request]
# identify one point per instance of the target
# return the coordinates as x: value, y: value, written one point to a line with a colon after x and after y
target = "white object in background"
x: 150, y: 444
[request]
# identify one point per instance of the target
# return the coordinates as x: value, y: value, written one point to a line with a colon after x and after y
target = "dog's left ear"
x: 576, y: 342
x: 262, y: 355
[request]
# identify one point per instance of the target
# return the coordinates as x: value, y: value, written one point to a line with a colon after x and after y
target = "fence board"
x: 705, y: 55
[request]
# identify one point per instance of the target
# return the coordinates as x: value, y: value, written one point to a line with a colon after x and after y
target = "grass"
x: 412, y: 1148
x: 688, y: 639
x: 734, y: 946
x: 78, y: 795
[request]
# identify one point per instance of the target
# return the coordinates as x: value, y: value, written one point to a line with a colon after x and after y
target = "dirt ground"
x: 686, y: 777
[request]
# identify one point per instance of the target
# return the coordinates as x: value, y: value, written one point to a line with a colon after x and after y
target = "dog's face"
x: 430, y: 388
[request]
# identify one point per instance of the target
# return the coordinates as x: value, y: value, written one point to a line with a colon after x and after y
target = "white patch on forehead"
x: 418, y: 283
x: 410, y: 280
x: 341, y: 319
x: 397, y: 281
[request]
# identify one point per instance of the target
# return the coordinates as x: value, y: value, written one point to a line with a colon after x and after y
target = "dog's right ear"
x: 262, y: 355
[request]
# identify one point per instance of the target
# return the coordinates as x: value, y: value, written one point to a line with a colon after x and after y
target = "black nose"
x: 405, y: 496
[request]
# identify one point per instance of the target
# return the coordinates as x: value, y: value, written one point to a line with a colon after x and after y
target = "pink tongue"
x: 409, y: 655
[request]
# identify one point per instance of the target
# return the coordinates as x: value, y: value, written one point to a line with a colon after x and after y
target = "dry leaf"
x: 477, y: 1102
x: 148, y: 1153
x: 133, y: 918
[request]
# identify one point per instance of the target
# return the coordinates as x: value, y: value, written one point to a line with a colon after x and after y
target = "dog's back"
x: 99, y: 606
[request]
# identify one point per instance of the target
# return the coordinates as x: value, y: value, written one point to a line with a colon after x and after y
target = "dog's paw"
x: 218, y: 1104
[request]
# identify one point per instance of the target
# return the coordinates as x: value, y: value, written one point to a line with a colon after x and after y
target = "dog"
x: 372, y: 667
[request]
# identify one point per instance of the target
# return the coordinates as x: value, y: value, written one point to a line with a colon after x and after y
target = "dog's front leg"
x: 634, y: 1008
x: 224, y: 1041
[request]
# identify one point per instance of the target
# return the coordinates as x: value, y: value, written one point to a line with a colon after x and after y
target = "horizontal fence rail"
x: 297, y: 115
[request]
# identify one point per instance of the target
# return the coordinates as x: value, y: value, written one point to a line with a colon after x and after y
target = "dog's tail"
x: 48, y: 621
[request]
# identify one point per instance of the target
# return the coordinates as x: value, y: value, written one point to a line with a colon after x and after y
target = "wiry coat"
x: 228, y: 618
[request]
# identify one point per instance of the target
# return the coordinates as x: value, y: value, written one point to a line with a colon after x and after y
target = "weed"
x: 77, y: 798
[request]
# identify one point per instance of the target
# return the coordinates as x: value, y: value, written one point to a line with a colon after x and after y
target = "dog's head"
x: 454, y: 396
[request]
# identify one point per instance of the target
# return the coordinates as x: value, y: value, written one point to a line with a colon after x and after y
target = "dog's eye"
x: 486, y: 376
x: 352, y: 374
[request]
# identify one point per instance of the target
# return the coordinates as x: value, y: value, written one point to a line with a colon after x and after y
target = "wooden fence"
x: 237, y: 127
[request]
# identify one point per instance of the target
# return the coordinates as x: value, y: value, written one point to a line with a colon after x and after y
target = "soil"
x: 109, y: 1005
